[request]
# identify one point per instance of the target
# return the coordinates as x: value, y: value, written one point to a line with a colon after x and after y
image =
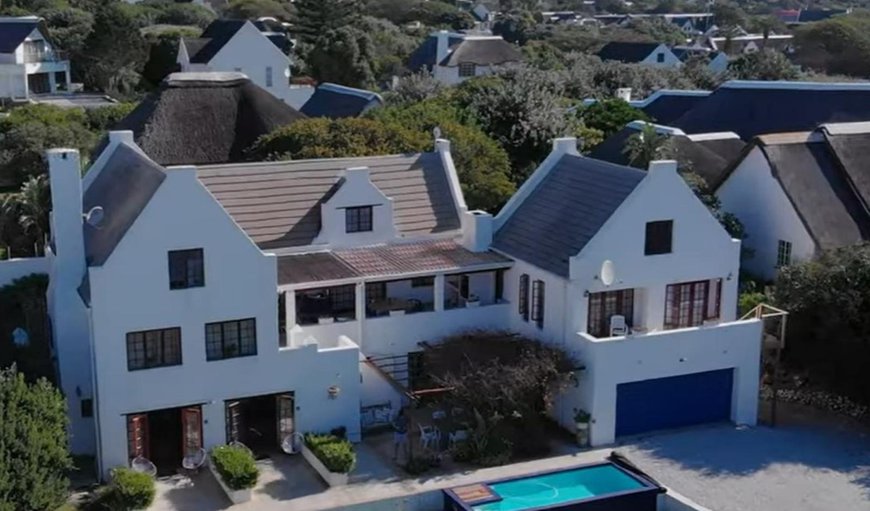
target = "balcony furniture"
x: 430, y: 437
x: 195, y: 461
x: 144, y: 465
x: 439, y: 415
x: 618, y: 326
x: 292, y: 443
x: 457, y: 437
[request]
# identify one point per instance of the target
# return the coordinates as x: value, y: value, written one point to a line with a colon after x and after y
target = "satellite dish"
x: 608, y: 273
x: 95, y: 216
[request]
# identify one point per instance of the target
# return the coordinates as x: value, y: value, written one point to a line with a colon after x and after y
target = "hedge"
x: 131, y: 489
x: 336, y: 453
x: 236, y: 466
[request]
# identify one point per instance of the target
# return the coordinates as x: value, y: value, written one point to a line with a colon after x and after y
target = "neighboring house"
x: 453, y: 58
x: 717, y: 61
x: 800, y: 16
x: 239, y: 46
x: 750, y: 43
x: 29, y: 62
x: 689, y: 23
x: 652, y: 54
x: 709, y: 155
x: 337, y: 101
x: 799, y: 193
x: 665, y: 106
x: 199, y: 118
x: 293, y: 296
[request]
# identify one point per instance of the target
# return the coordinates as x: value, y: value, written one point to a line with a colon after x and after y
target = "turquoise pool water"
x: 560, y: 487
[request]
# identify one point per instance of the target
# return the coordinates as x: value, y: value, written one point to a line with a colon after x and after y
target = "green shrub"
x: 236, y: 466
x: 131, y: 489
x: 335, y: 453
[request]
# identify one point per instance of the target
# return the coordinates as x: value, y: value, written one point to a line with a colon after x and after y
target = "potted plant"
x: 582, y: 420
x: 331, y: 456
x: 234, y: 468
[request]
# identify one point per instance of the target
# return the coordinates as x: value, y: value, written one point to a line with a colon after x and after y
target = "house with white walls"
x: 454, y: 57
x: 314, y: 277
x: 800, y: 193
x: 651, y: 54
x: 29, y: 62
x: 239, y: 46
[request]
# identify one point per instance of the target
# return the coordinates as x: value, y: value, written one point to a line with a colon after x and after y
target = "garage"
x: 673, y: 402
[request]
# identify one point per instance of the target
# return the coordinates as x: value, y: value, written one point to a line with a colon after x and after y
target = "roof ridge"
x: 344, y: 89
x: 846, y: 128
x: 793, y: 85
x: 276, y: 163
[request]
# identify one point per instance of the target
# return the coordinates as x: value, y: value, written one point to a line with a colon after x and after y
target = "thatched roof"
x: 201, y: 118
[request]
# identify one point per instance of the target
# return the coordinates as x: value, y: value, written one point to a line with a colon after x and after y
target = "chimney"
x: 356, y: 174
x: 566, y: 145
x: 624, y: 93
x: 442, y: 47
x: 64, y: 172
x: 661, y: 167
x: 477, y: 231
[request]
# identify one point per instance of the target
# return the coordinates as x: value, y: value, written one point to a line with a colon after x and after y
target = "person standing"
x: 400, y: 434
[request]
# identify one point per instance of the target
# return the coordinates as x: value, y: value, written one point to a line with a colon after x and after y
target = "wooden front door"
x: 285, y: 408
x: 137, y: 436
x: 191, y: 430
x: 234, y: 419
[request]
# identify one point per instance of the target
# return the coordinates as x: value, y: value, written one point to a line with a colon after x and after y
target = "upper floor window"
x: 153, y: 348
x: 783, y: 253
x: 659, y: 237
x: 523, y: 298
x: 358, y: 219
x: 268, y: 76
x: 466, y: 69
x: 688, y: 304
x: 186, y: 269
x: 660, y: 57
x: 230, y: 339
x: 538, y: 303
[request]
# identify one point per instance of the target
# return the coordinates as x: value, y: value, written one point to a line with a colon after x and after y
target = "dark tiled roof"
x: 853, y: 152
x: 278, y: 203
x: 313, y: 267
x: 810, y: 15
x: 13, y: 33
x: 809, y: 175
x: 424, y: 56
x: 202, y: 118
x: 565, y: 211
x: 421, y: 257
x: 337, y: 101
x: 626, y: 51
x: 668, y: 106
x: 122, y: 188
x: 754, y: 108
x: 490, y: 51
x: 612, y: 148
x: 194, y: 45
x: 217, y: 34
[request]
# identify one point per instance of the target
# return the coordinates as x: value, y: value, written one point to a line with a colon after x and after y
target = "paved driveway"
x: 791, y: 468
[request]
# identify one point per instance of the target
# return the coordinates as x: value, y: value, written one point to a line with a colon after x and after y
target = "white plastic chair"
x: 194, y: 461
x: 617, y: 325
x: 144, y: 465
x: 430, y: 436
x: 455, y: 437
x: 292, y: 444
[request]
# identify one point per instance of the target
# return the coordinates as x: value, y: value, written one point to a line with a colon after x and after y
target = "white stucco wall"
x: 450, y: 75
x: 356, y: 190
x: 240, y: 282
x: 12, y: 269
x: 670, y: 60
x: 756, y: 198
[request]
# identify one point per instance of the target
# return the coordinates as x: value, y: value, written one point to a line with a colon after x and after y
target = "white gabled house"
x: 651, y: 54
x: 194, y: 305
x: 454, y: 57
x: 29, y: 62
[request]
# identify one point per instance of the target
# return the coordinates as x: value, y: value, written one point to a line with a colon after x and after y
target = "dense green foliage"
x: 33, y: 444
x: 840, y: 45
x: 131, y: 490
x: 335, y: 453
x: 236, y: 466
x: 610, y: 115
x: 763, y: 65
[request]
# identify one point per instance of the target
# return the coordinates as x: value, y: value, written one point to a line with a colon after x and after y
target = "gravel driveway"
x: 804, y: 467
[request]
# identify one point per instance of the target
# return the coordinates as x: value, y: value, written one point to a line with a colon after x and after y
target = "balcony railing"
x: 45, y: 56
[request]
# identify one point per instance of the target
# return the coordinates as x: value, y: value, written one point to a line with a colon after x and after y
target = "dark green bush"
x: 334, y: 452
x: 236, y: 466
x: 131, y: 489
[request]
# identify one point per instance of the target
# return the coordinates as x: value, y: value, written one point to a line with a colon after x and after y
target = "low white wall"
x: 671, y: 353
x: 672, y: 501
x: 16, y: 268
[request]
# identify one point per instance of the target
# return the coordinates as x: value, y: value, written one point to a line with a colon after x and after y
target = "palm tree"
x: 34, y: 202
x: 644, y: 146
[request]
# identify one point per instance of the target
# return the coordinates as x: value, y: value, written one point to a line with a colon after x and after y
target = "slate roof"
x: 213, y: 38
x: 13, y: 33
x: 755, y: 108
x: 630, y: 52
x: 385, y: 260
x: 203, y: 118
x: 424, y: 56
x: 122, y: 188
x: 664, y: 107
x: 278, y: 203
x: 565, y: 210
x: 337, y: 101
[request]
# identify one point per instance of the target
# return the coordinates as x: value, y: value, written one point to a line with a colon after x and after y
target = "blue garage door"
x: 673, y: 402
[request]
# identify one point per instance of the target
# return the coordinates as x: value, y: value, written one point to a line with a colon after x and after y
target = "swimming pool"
x: 589, y: 487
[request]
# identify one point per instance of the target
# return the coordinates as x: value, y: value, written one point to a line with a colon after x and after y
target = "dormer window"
x: 358, y: 219
x: 659, y: 237
x: 186, y: 269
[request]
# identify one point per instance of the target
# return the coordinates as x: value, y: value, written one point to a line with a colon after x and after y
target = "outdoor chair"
x: 144, y: 465
x: 618, y: 325
x: 430, y: 437
x: 292, y: 444
x: 439, y: 415
x: 456, y: 437
x: 195, y: 461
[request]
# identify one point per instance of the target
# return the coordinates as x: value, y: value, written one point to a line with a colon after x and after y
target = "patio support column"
x: 439, y: 292
x: 360, y: 296
x: 289, y: 309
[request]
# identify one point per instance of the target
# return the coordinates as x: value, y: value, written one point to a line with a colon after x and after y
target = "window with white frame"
x: 783, y: 253
x: 466, y: 69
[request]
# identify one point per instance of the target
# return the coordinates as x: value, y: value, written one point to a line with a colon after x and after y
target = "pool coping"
x: 647, y: 485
